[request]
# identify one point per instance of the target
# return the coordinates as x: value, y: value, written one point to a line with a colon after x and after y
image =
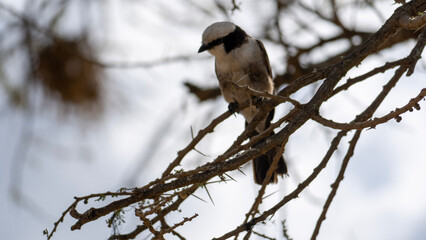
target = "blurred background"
x: 99, y: 95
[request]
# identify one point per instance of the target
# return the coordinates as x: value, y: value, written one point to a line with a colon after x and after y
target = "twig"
x: 416, y: 53
x: 197, y: 139
x: 263, y: 235
x: 61, y: 219
x: 323, y: 92
x: 254, y: 209
x: 235, y: 6
x: 164, y: 225
x: 278, y: 98
x: 120, y: 192
x: 171, y: 229
x: 304, y: 81
x: 381, y: 69
x: 123, y: 65
x: 258, y: 200
x: 367, y: 113
x: 230, y: 161
x: 25, y: 20
x: 294, y: 194
x: 173, y: 207
x: 335, y: 185
x: 285, y: 231
x: 413, y: 103
x: 147, y: 223
x: 146, y: 64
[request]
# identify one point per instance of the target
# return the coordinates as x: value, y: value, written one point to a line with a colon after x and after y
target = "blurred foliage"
x: 46, y: 57
x: 66, y: 76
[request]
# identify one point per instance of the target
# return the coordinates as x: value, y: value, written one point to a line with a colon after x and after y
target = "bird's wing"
x: 265, y: 57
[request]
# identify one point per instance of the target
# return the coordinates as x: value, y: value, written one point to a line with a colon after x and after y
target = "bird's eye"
x: 216, y: 42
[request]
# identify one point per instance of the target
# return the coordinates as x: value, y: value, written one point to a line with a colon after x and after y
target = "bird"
x: 241, y: 59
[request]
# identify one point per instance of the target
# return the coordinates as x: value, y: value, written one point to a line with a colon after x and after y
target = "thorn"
x: 201, y: 153
x: 241, y: 171
x: 208, y: 193
x: 230, y: 177
x: 199, y: 198
x: 192, y: 133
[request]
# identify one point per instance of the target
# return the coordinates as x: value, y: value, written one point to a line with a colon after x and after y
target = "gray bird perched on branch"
x: 242, y: 60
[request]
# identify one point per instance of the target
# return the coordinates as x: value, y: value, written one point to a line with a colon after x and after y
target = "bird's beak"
x: 203, y: 48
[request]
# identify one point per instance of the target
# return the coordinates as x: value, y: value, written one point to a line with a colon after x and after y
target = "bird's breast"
x: 242, y: 66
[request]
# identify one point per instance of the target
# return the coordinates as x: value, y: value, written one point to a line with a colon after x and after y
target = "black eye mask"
x: 214, y: 43
x: 230, y: 41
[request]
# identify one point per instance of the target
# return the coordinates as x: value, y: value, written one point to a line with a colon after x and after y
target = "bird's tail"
x: 262, y: 163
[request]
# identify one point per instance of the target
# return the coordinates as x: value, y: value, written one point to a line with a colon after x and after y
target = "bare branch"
x: 294, y: 194
x: 412, y: 23
x: 413, y: 103
x: 351, y: 81
x: 171, y: 229
x: 160, y: 197
x: 146, y: 64
x: 335, y: 185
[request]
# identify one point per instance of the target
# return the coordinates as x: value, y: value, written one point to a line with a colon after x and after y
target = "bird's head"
x: 222, y: 37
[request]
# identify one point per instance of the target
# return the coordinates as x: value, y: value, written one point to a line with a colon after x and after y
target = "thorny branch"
x: 362, y: 117
x: 335, y: 185
x: 372, y: 123
x: 164, y: 195
x: 367, y: 114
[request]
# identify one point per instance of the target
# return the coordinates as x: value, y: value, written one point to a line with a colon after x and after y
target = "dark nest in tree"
x: 68, y: 76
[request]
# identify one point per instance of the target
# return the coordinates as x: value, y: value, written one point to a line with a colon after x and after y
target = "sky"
x: 149, y: 117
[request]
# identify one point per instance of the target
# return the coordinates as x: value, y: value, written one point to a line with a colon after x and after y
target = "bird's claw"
x: 257, y: 101
x: 233, y: 107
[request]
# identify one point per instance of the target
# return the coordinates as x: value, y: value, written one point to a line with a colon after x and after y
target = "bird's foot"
x: 257, y: 101
x: 233, y: 107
